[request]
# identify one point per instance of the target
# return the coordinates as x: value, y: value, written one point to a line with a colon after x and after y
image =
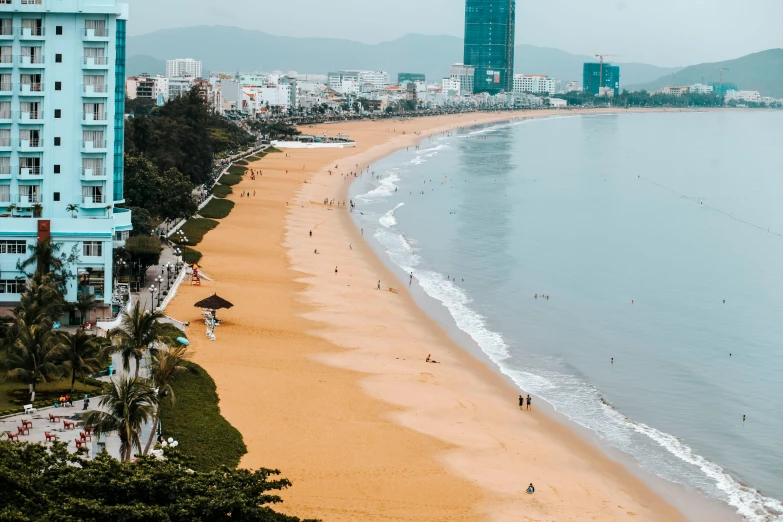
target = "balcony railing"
x: 94, y: 199
x: 30, y: 115
x: 94, y: 116
x: 31, y: 143
x: 96, y: 60
x: 93, y: 173
x: 100, y: 32
x: 30, y: 87
x: 25, y: 59
x: 31, y: 31
x: 31, y: 2
x: 27, y: 199
x: 94, y: 89
x: 29, y: 171
x: 94, y: 144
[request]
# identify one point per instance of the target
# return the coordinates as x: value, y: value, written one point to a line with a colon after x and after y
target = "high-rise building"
x: 403, y: 78
x: 183, y: 67
x: 62, y: 104
x: 465, y: 75
x: 489, y: 44
x: 592, y: 82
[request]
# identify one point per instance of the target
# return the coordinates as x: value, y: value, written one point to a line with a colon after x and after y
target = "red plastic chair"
x: 50, y: 437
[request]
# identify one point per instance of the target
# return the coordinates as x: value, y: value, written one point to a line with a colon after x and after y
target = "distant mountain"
x: 761, y: 72
x: 142, y: 63
x: 230, y: 49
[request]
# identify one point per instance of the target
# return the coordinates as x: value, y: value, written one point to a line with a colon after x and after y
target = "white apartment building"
x: 353, y: 81
x: 148, y: 87
x: 746, y: 96
x: 572, y: 86
x: 183, y: 67
x: 179, y: 86
x: 450, y: 87
x: 535, y: 83
x: 465, y: 75
x: 700, y: 88
x: 675, y: 90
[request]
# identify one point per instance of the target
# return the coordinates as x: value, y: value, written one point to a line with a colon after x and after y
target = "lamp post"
x: 152, y: 301
x: 159, y: 280
x: 178, y: 254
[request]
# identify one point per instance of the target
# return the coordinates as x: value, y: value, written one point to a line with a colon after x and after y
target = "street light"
x: 159, y: 279
x: 152, y: 301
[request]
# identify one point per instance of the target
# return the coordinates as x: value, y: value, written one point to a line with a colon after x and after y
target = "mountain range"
x: 230, y: 49
x: 762, y: 71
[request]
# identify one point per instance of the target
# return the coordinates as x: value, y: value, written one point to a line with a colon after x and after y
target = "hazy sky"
x: 660, y: 32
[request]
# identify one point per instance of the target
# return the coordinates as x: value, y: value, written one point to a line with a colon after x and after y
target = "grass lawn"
x: 230, y: 179
x: 217, y: 209
x: 272, y: 149
x: 14, y: 394
x: 256, y: 157
x: 190, y: 255
x: 205, y: 438
x: 195, y: 229
x: 241, y: 162
x: 221, y: 191
x: 236, y: 170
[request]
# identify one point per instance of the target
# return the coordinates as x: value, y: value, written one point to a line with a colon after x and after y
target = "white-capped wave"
x: 386, y: 187
x: 388, y: 220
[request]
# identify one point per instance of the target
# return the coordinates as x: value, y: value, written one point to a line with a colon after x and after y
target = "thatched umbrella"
x: 213, y: 302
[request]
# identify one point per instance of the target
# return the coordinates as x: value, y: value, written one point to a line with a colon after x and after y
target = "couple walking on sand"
x: 522, y: 402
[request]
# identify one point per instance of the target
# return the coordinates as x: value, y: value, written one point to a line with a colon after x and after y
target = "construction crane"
x: 601, y: 69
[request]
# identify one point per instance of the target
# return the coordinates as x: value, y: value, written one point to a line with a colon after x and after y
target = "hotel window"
x: 95, y: 137
x: 6, y: 26
x: 58, y: 86
x: 96, y: 55
x: 13, y: 246
x: 5, y: 110
x: 92, y: 194
x: 5, y: 138
x: 29, y: 194
x: 30, y: 166
x: 6, y: 55
x: 30, y: 137
x: 31, y: 110
x: 58, y: 30
x: 11, y: 286
x: 5, y: 192
x: 56, y: 196
x: 92, y: 167
x: 97, y: 26
x: 97, y: 82
x: 33, y: 25
x: 93, y: 111
x: 5, y: 82
x: 31, y: 82
x: 32, y: 54
x: 92, y: 249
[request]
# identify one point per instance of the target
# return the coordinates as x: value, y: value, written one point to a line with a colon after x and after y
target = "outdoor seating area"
x: 209, y: 307
x: 44, y: 428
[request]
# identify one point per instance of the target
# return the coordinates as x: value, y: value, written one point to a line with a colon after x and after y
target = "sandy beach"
x: 324, y: 374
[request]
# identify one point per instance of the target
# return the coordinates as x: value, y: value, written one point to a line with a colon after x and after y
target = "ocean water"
x: 637, y: 227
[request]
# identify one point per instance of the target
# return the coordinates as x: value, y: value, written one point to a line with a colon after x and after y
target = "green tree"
x: 34, y: 355
x: 49, y: 483
x: 72, y: 208
x: 164, y: 368
x: 144, y: 249
x: 80, y: 354
x: 139, y: 332
x: 85, y: 303
x: 126, y: 408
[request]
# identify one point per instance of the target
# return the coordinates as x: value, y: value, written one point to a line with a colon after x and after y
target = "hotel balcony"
x: 30, y: 172
x: 93, y: 174
x: 30, y: 61
x: 26, y: 200
x: 95, y: 90
x: 33, y: 145
x: 6, y: 32
x: 94, y: 201
x: 31, y: 89
x: 100, y: 35
x: 96, y: 62
x: 94, y: 117
x: 5, y: 171
x: 34, y: 117
x: 93, y: 146
x: 6, y: 60
x: 31, y: 33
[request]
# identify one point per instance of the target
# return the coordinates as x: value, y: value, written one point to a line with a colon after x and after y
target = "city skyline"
x: 666, y: 33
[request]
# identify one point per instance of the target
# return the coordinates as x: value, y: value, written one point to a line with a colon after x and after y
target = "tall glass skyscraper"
x: 489, y: 44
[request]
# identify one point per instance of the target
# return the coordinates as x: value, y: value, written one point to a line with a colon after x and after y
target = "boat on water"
x: 340, y: 141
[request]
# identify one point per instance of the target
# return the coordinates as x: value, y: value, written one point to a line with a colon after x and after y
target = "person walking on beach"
x: 335, y: 270
x: 528, y: 401
x: 379, y: 284
x: 311, y: 233
x: 521, y: 403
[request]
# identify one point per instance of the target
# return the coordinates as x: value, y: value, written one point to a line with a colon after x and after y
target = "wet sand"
x: 324, y: 375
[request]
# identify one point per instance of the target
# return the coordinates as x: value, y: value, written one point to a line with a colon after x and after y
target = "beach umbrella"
x: 213, y: 302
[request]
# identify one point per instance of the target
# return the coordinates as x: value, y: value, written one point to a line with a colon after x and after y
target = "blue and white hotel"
x: 62, y: 101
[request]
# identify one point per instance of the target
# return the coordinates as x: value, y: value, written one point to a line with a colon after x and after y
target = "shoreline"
x: 419, y: 439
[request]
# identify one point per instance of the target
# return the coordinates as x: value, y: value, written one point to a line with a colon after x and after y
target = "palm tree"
x: 165, y: 366
x: 138, y: 333
x: 128, y: 406
x: 85, y: 303
x: 34, y: 354
x: 80, y: 354
x: 72, y: 208
x: 46, y: 257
